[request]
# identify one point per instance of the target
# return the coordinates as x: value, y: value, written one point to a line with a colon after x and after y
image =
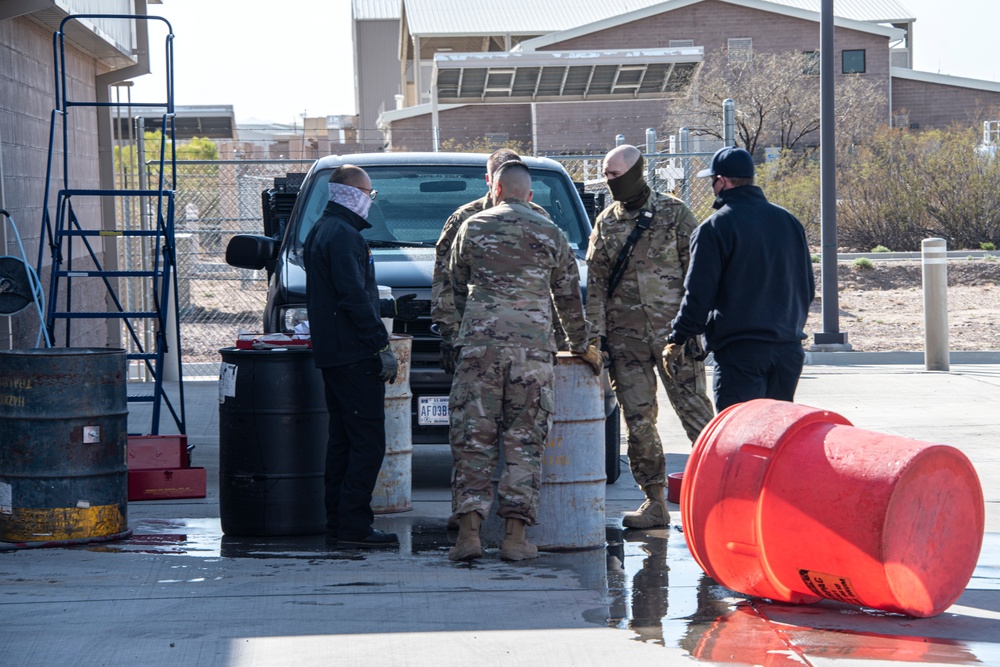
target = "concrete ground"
x: 179, y: 592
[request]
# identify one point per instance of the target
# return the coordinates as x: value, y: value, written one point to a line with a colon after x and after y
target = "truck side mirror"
x: 251, y: 251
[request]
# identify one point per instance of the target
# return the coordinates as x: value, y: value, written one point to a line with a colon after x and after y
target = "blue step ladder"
x: 74, y: 258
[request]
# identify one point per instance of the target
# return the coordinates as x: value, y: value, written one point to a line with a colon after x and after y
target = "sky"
x: 268, y: 64
x: 279, y: 66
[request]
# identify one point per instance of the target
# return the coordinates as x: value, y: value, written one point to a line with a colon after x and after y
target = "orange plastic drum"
x: 792, y: 503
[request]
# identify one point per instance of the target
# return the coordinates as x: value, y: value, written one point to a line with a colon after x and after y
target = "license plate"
x: 432, y: 411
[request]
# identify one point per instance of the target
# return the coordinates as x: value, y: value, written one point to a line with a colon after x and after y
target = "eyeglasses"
x: 371, y: 193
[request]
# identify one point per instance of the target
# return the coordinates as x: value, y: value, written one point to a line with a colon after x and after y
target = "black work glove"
x: 672, y: 353
x: 389, y: 365
x: 406, y: 309
x: 386, y: 307
x: 449, y: 357
x: 694, y: 349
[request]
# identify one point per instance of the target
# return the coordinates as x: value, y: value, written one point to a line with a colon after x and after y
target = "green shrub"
x: 816, y: 259
x: 880, y: 248
x: 990, y: 258
x: 986, y: 245
x: 863, y: 263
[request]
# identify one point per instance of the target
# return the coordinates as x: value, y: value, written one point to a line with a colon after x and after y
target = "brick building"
x: 98, y: 53
x: 874, y: 39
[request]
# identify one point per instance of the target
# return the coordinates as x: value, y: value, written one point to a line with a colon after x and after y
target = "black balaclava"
x: 630, y: 188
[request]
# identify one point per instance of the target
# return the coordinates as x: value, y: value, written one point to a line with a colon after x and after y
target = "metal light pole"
x: 651, y: 150
x: 728, y: 122
x: 830, y: 339
x: 684, y: 143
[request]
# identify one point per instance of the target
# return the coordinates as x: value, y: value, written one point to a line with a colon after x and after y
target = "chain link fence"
x: 216, y: 199
x: 665, y: 172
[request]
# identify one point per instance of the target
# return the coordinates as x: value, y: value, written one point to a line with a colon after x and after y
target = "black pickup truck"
x: 416, y: 194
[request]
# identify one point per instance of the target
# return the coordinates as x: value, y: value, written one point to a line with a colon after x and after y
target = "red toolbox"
x: 157, y: 451
x: 166, y: 483
x: 159, y: 468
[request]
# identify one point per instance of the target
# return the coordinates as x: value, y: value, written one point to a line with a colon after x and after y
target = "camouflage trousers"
x: 501, y: 397
x: 634, y: 382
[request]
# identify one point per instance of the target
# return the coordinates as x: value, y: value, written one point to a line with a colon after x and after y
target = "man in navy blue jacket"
x: 351, y: 348
x: 747, y: 289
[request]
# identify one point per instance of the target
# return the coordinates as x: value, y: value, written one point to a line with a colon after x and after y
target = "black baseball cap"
x: 731, y: 162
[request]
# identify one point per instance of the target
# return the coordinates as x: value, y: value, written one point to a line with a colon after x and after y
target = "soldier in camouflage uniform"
x: 634, y: 320
x: 508, y: 263
x: 442, y: 299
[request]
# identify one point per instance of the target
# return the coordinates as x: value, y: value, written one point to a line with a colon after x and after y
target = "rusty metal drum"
x: 273, y: 427
x: 574, y: 478
x: 395, y: 479
x: 63, y: 442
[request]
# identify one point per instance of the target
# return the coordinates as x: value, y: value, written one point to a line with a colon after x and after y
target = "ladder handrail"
x: 162, y: 276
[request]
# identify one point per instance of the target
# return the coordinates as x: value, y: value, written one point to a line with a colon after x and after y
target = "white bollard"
x: 393, y: 489
x: 934, y: 267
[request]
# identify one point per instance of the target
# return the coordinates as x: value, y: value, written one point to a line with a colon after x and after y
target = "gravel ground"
x: 881, y: 308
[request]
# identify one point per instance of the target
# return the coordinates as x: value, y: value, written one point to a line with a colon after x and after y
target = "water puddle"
x: 658, y: 591
x: 654, y: 589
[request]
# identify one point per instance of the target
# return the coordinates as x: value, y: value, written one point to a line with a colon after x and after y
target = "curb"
x: 894, y: 358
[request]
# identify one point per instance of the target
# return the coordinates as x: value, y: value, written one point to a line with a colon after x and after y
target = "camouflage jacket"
x: 442, y: 299
x: 651, y: 289
x: 508, y: 265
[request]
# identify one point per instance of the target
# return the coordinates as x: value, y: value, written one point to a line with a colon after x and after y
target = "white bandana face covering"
x: 350, y: 197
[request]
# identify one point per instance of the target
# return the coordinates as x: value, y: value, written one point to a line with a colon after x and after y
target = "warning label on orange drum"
x: 830, y: 586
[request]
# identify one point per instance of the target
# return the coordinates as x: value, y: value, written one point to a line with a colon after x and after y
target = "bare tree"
x: 880, y: 201
x: 777, y: 102
x: 958, y: 186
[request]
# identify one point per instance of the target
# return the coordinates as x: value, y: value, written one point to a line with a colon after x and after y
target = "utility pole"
x: 830, y: 339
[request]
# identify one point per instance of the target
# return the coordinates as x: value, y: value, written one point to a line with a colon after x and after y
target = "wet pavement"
x: 180, y: 592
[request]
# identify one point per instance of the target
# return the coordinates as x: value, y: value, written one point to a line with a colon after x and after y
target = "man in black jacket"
x: 748, y: 289
x: 351, y: 348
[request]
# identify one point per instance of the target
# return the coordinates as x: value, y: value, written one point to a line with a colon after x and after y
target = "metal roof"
x: 783, y: 7
x: 944, y: 79
x: 213, y: 122
x: 429, y: 18
x: 376, y: 10
x: 871, y: 11
x: 564, y: 76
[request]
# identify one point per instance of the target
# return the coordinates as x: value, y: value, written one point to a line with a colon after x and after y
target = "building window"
x: 810, y: 64
x: 853, y: 62
x: 740, y: 49
x: 680, y: 43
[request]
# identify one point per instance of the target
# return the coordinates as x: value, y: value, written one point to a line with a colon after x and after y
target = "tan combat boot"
x: 653, y: 512
x: 468, y: 546
x: 515, y: 546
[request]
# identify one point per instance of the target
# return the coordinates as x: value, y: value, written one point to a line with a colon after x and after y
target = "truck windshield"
x: 413, y: 202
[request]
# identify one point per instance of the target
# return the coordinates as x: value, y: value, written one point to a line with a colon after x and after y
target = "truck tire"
x: 612, y: 445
